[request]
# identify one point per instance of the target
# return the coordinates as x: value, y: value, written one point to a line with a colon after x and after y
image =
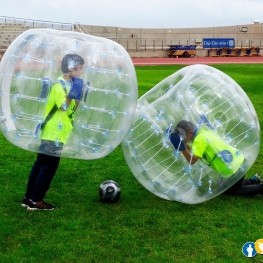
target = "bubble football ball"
x: 211, y: 100
x: 109, y: 191
x: 33, y: 62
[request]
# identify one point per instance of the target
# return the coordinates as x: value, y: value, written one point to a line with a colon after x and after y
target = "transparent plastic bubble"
x: 33, y: 62
x: 211, y: 100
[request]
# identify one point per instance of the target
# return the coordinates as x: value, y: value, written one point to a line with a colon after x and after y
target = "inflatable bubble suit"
x: 104, y: 114
x: 210, y: 100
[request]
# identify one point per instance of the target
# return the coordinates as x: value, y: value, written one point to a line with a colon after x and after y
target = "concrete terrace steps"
x: 8, y: 33
x: 12, y: 27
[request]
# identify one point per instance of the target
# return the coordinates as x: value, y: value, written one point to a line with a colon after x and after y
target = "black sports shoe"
x: 257, y: 179
x: 41, y: 205
x: 25, y: 202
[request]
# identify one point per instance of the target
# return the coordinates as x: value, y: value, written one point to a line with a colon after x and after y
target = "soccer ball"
x: 109, y: 191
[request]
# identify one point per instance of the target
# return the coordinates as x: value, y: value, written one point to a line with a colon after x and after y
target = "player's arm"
x: 183, y: 147
x: 75, y: 93
x: 189, y: 155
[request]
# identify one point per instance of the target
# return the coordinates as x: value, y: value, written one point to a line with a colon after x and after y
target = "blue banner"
x: 218, y: 43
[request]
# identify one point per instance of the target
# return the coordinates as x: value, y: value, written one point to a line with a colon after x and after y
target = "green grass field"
x: 139, y: 228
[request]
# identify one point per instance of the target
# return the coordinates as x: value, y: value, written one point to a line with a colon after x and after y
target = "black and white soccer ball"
x: 109, y: 191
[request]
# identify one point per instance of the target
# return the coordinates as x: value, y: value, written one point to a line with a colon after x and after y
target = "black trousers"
x: 41, y: 175
x: 245, y: 187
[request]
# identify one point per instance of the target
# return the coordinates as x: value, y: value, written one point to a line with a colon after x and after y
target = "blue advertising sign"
x: 218, y: 43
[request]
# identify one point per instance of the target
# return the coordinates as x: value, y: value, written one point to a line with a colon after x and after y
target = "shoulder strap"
x: 62, y: 82
x: 50, y: 114
x: 55, y: 107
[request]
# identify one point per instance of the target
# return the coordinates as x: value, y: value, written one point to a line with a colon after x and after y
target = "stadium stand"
x: 8, y: 33
x: 141, y: 42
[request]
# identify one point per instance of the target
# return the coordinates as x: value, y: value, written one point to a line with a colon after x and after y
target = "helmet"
x: 70, y: 62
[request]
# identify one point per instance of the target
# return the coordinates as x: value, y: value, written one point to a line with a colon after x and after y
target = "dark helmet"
x: 183, y: 127
x: 70, y: 62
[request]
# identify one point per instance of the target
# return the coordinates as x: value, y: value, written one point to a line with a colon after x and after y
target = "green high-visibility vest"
x: 216, y: 153
x: 59, y: 126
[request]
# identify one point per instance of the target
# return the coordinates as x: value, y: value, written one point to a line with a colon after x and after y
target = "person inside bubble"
x: 56, y: 128
x: 202, y: 142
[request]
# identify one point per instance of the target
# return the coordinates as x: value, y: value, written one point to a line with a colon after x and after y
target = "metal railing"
x: 139, y: 44
x: 36, y: 23
x: 79, y: 28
